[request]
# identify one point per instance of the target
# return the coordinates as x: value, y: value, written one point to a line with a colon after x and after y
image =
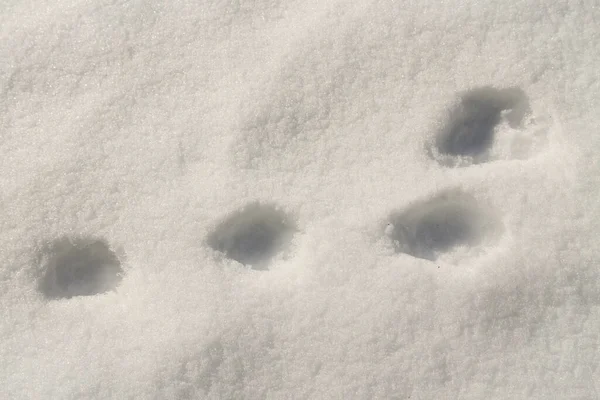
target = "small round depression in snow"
x: 468, y: 135
x: 431, y: 228
x: 78, y: 267
x: 253, y: 235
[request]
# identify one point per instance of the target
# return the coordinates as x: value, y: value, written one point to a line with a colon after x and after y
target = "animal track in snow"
x: 469, y: 134
x: 432, y: 228
x: 253, y: 235
x: 78, y: 267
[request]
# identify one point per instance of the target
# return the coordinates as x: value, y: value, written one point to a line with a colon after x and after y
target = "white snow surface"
x: 292, y: 209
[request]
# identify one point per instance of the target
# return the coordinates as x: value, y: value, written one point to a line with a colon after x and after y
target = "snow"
x: 299, y: 199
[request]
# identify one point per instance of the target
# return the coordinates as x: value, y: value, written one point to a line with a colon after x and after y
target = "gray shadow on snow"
x: 430, y: 228
x: 81, y: 266
x: 471, y: 124
x: 253, y: 235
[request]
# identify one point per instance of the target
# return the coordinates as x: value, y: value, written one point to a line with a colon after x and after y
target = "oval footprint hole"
x: 253, y: 235
x: 468, y: 134
x: 78, y: 267
x: 432, y: 228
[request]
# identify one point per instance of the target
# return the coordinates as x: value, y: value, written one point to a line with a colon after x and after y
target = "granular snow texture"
x: 278, y: 199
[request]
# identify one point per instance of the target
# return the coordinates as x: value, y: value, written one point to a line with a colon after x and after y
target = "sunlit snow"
x: 284, y: 199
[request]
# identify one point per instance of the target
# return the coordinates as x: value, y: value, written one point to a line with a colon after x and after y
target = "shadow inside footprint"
x: 78, y: 267
x: 429, y: 229
x: 469, y: 131
x: 253, y: 235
